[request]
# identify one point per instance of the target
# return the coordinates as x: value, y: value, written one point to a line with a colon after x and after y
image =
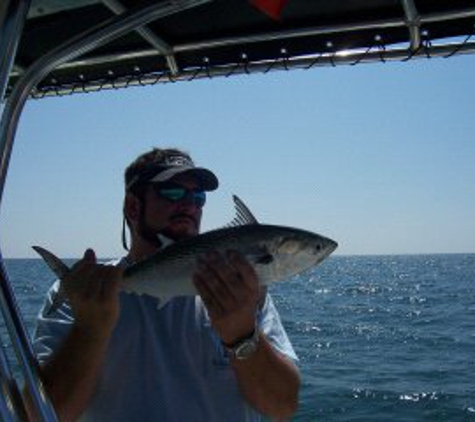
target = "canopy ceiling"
x: 230, y: 35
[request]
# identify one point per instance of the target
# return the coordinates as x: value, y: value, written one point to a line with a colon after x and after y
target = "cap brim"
x: 206, y: 178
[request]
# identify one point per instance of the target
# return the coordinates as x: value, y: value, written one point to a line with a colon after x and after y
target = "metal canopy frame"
x: 121, y: 43
x: 234, y: 37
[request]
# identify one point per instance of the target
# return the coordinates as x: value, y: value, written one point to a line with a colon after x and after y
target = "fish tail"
x: 55, y: 264
x: 60, y: 269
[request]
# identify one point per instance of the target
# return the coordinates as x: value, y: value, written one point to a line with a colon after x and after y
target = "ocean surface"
x: 380, y: 338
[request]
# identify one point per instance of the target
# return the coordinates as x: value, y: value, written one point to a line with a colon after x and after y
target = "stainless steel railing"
x: 13, y: 16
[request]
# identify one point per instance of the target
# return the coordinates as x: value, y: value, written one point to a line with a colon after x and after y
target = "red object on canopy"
x: 272, y: 8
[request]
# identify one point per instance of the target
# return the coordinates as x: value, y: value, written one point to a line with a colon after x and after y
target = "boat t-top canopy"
x: 226, y: 37
x: 58, y: 47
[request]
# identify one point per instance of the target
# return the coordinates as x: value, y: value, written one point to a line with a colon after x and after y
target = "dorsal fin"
x: 243, y: 216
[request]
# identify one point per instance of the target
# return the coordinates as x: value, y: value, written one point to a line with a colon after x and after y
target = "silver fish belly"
x: 276, y: 253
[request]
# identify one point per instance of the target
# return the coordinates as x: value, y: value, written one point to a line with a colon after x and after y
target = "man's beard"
x: 151, y: 235
x: 148, y: 233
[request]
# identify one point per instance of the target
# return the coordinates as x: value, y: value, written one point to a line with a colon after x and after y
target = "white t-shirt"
x: 163, y: 364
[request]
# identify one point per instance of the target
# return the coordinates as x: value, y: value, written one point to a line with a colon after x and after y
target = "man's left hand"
x: 229, y: 288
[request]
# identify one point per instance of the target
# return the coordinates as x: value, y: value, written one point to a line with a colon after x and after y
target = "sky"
x: 379, y: 157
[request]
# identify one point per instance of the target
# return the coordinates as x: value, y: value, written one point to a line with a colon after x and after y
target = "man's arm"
x: 269, y: 381
x: 230, y: 291
x: 70, y: 375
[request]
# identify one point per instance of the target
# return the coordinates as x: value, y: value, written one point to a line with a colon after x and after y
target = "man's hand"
x: 229, y: 288
x: 230, y: 291
x: 70, y: 375
x: 92, y: 290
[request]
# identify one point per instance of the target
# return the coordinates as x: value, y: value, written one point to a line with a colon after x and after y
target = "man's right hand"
x: 70, y: 375
x: 93, y: 293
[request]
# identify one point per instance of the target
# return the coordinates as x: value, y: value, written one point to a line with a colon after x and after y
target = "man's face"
x: 176, y: 220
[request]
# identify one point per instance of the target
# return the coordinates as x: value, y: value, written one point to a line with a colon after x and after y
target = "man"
x: 111, y: 356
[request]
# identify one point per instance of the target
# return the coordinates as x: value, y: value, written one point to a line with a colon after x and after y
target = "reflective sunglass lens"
x: 200, y: 198
x: 174, y: 194
x: 178, y: 194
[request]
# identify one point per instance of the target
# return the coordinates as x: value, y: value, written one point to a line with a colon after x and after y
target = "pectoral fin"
x: 264, y: 259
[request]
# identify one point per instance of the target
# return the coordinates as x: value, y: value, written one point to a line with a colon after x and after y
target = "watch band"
x: 244, y: 348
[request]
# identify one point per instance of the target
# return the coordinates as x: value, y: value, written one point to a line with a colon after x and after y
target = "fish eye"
x: 318, y: 247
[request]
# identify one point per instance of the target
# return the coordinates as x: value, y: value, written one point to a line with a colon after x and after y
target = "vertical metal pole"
x: 161, y: 46
x: 23, y: 349
x: 11, y: 403
x: 7, y: 409
x: 12, y: 18
x: 413, y: 22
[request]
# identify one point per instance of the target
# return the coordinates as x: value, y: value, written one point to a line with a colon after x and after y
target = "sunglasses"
x: 174, y: 193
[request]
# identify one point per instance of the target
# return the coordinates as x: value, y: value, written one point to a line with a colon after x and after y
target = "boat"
x: 115, y: 44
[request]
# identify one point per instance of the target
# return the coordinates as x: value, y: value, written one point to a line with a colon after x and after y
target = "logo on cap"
x: 178, y: 161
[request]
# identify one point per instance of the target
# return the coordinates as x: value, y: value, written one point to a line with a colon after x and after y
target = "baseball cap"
x: 171, y: 166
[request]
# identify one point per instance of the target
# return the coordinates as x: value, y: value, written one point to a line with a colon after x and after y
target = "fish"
x: 277, y: 253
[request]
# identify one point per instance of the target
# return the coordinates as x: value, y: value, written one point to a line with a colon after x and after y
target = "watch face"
x: 247, y: 347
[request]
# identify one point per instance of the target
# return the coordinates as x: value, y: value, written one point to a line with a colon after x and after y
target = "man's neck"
x: 141, y: 251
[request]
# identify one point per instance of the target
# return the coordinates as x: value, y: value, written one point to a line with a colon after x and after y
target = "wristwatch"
x: 245, y: 347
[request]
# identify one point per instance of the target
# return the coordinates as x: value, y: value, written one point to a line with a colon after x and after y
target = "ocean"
x: 379, y: 338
